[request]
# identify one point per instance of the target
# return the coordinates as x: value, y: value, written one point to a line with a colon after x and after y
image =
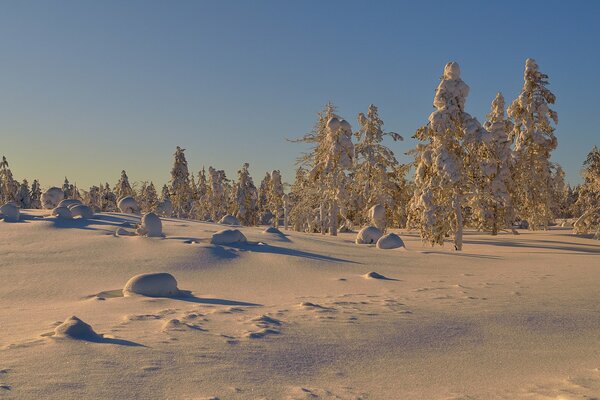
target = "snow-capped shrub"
x: 368, y: 235
x: 82, y: 211
x: 128, y: 205
x: 229, y: 220
x: 377, y: 216
x: 10, y: 212
x: 74, y: 328
x: 390, y: 241
x: 69, y: 203
x: 157, y: 284
x: 52, y: 197
x: 228, y: 236
x: 150, y: 226
x: 62, y: 212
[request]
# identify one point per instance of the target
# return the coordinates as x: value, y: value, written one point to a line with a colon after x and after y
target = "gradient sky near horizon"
x: 90, y: 88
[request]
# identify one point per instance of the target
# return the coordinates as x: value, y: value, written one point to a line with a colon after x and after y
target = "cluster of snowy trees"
x: 465, y: 174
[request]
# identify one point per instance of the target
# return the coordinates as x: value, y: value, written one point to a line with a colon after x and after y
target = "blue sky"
x: 90, y: 88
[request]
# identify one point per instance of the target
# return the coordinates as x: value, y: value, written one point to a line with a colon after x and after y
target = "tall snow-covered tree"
x: 94, y: 198
x: 148, y: 197
x: 440, y: 179
x: 123, y: 188
x: 489, y: 169
x: 275, y: 196
x: 533, y: 133
x: 302, y: 202
x: 108, y: 200
x: 245, y: 197
x: 23, y: 197
x: 588, y: 200
x: 179, y: 185
x: 263, y: 194
x: 374, y: 176
x: 8, y: 185
x: 217, y: 198
x: 36, y: 195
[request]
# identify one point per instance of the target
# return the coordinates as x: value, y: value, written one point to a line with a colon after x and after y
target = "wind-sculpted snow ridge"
x: 158, y: 284
x: 228, y: 236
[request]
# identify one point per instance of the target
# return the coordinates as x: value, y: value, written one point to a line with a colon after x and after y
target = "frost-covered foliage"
x: 36, y: 194
x: 8, y: 185
x: 245, y: 197
x: 129, y: 205
x: 263, y: 194
x: 533, y: 133
x: 589, y: 196
x: 23, y: 197
x: 179, y: 186
x: 377, y: 177
x: 275, y: 196
x: 164, y: 208
x: 52, y: 197
x: 148, y: 198
x: 216, y: 201
x: 108, y: 200
x: 489, y: 163
x: 440, y: 178
x: 123, y: 188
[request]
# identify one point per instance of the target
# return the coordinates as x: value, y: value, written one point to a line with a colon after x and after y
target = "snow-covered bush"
x: 368, y: 235
x: 52, y: 197
x: 62, y: 212
x: 229, y: 220
x: 128, y: 205
x: 10, y: 212
x: 150, y: 226
x: 157, y: 284
x: 81, y: 211
x: 390, y: 241
x: 377, y: 216
x: 228, y: 236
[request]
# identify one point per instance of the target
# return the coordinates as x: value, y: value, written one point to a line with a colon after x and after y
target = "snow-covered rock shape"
x: 228, y: 236
x: 74, y: 328
x: 157, y: 284
x: 62, y: 212
x: 377, y: 216
x: 10, y: 212
x: 229, y: 220
x: 69, y: 203
x: 82, y: 211
x: 272, y: 229
x: 150, y: 226
x: 368, y: 235
x: 52, y: 197
x: 128, y: 205
x: 123, y: 232
x: 390, y: 241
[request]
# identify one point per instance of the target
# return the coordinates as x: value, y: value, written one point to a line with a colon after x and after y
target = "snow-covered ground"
x: 295, y: 316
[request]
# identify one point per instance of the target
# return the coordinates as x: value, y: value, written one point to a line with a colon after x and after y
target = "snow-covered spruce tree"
x: 245, y: 197
x: 302, y: 202
x: 93, y: 198
x: 374, y: 174
x: 36, y: 195
x: 123, y: 188
x: 588, y: 200
x: 108, y: 201
x: 534, y: 138
x: 148, y: 199
x: 8, y: 185
x: 179, y: 185
x: 275, y: 197
x: 440, y: 179
x: 217, y: 200
x: 23, y: 198
x: 263, y: 194
x: 489, y: 163
x: 67, y: 189
x: 199, y: 209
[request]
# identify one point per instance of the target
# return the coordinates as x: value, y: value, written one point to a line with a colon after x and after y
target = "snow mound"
x: 229, y: 220
x: 368, y: 235
x: 75, y: 328
x: 374, y: 275
x: 151, y: 226
x: 272, y: 229
x: 157, y: 284
x: 82, y: 211
x: 62, y: 212
x: 68, y: 203
x: 52, y: 197
x: 123, y: 232
x: 228, y: 236
x: 377, y: 216
x: 10, y: 212
x: 390, y: 241
x: 128, y: 205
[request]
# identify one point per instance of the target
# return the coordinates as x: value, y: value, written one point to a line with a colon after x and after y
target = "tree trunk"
x: 458, y: 229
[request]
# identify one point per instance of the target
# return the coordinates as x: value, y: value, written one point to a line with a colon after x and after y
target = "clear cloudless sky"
x: 90, y: 88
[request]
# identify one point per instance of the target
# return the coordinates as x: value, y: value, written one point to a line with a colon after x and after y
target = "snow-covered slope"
x: 294, y: 315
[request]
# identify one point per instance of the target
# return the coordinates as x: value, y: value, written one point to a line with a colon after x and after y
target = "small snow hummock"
x: 69, y: 203
x: 74, y: 328
x: 229, y: 220
x: 368, y: 235
x: 151, y: 226
x: 157, y: 284
x: 82, y: 211
x: 52, y: 197
x: 10, y: 212
x: 272, y: 229
x: 375, y: 275
x: 123, y: 232
x: 62, y: 212
x: 228, y: 236
x: 128, y: 205
x: 390, y: 241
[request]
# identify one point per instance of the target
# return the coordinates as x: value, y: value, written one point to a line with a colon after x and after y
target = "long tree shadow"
x: 261, y: 247
x: 460, y: 254
x: 184, y: 295
x: 553, y: 245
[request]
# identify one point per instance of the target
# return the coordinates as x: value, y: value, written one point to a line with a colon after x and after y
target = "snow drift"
x: 74, y: 328
x: 158, y: 284
x: 82, y: 211
x: 368, y: 235
x: 390, y: 241
x: 10, y: 212
x: 62, y: 212
x: 228, y: 236
x: 229, y: 220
